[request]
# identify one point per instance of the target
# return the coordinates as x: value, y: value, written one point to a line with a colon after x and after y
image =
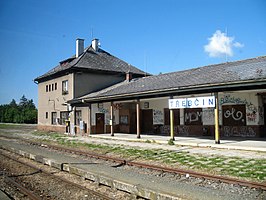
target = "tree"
x: 24, y: 112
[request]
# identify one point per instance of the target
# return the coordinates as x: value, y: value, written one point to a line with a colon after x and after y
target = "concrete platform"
x: 143, y: 185
x: 256, y: 144
x: 3, y: 196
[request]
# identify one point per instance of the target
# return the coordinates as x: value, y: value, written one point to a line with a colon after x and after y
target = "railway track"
x: 121, y: 162
x: 19, y: 185
x: 30, y: 194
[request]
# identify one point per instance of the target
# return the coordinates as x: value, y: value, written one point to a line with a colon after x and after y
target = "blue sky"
x: 156, y: 36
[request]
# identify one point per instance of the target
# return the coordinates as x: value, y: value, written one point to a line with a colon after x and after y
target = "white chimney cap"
x: 95, y: 44
x: 79, y: 47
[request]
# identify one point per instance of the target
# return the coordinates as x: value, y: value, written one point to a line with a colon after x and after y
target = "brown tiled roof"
x: 91, y: 60
x: 225, y: 73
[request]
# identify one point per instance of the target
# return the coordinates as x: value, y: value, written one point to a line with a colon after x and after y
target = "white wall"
x: 104, y: 109
x: 157, y: 105
x: 254, y: 110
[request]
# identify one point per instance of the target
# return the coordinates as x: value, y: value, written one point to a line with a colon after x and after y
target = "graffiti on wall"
x: 117, y: 106
x: 103, y: 110
x: 252, y: 114
x: 208, y: 115
x: 193, y: 116
x: 178, y: 130
x: 261, y: 113
x: 231, y: 99
x: 157, y: 117
x: 234, y: 114
x: 183, y: 130
x: 240, y: 131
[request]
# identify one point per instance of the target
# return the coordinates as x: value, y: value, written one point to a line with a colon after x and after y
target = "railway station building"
x: 229, y: 97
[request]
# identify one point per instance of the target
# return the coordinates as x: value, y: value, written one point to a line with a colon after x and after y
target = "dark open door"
x: 133, y: 123
x: 100, y: 123
x: 147, y: 121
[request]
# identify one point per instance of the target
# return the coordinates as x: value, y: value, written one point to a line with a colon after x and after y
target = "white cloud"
x: 221, y: 45
x: 238, y: 45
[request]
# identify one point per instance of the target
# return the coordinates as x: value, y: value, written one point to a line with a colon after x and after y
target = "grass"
x: 7, y: 126
x: 253, y: 169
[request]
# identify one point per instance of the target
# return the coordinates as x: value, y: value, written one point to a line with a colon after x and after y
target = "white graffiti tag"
x: 235, y: 115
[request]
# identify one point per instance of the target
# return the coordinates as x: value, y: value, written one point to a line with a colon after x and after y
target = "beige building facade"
x: 90, y: 70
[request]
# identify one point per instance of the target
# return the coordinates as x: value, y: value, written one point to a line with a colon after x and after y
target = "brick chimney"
x: 79, y: 47
x: 128, y: 76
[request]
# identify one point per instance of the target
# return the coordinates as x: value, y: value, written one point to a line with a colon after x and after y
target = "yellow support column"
x: 89, y: 119
x: 138, y: 118
x: 216, y: 113
x: 172, y: 124
x: 111, y: 120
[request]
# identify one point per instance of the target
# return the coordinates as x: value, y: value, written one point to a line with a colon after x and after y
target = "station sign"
x: 195, y: 102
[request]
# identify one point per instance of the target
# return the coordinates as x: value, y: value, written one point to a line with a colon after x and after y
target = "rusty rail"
x: 100, y: 195
x: 24, y: 190
x: 156, y: 167
x: 164, y: 169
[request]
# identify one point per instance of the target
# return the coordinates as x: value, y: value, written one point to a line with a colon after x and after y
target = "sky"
x: 157, y: 36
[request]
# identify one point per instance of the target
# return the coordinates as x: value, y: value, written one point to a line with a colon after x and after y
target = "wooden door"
x: 234, y: 115
x: 147, y: 121
x: 133, y: 122
x: 99, y: 123
x: 167, y: 117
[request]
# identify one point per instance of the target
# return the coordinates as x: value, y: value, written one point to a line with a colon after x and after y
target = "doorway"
x: 147, y: 121
x: 99, y: 123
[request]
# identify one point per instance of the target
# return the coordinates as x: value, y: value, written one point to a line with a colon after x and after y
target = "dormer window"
x: 65, y: 87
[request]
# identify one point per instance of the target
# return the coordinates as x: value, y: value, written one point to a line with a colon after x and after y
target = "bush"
x: 171, y: 142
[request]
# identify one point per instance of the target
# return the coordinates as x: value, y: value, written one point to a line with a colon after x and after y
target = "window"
x: 63, y: 117
x: 65, y: 87
x: 46, y: 88
x: 52, y: 87
x: 49, y: 87
x: 46, y: 115
x: 55, y: 86
x: 78, y: 117
x: 54, y: 116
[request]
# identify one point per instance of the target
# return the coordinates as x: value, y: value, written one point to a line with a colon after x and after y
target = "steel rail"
x: 156, y: 167
x: 23, y: 189
x: 164, y: 169
x: 102, y: 196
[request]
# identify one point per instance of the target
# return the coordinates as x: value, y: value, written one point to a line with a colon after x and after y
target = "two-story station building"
x: 111, y: 96
x: 90, y: 70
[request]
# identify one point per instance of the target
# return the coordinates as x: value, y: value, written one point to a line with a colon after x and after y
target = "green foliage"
x: 24, y: 112
x: 171, y: 142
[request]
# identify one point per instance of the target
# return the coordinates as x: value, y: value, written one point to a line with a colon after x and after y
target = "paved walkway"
x: 231, y: 143
x: 245, y: 148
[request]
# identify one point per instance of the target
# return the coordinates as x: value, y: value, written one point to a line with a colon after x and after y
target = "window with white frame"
x: 65, y: 87
x: 63, y: 117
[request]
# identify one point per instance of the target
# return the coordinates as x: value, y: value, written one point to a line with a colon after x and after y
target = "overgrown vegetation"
x: 254, y: 169
x: 23, y: 112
